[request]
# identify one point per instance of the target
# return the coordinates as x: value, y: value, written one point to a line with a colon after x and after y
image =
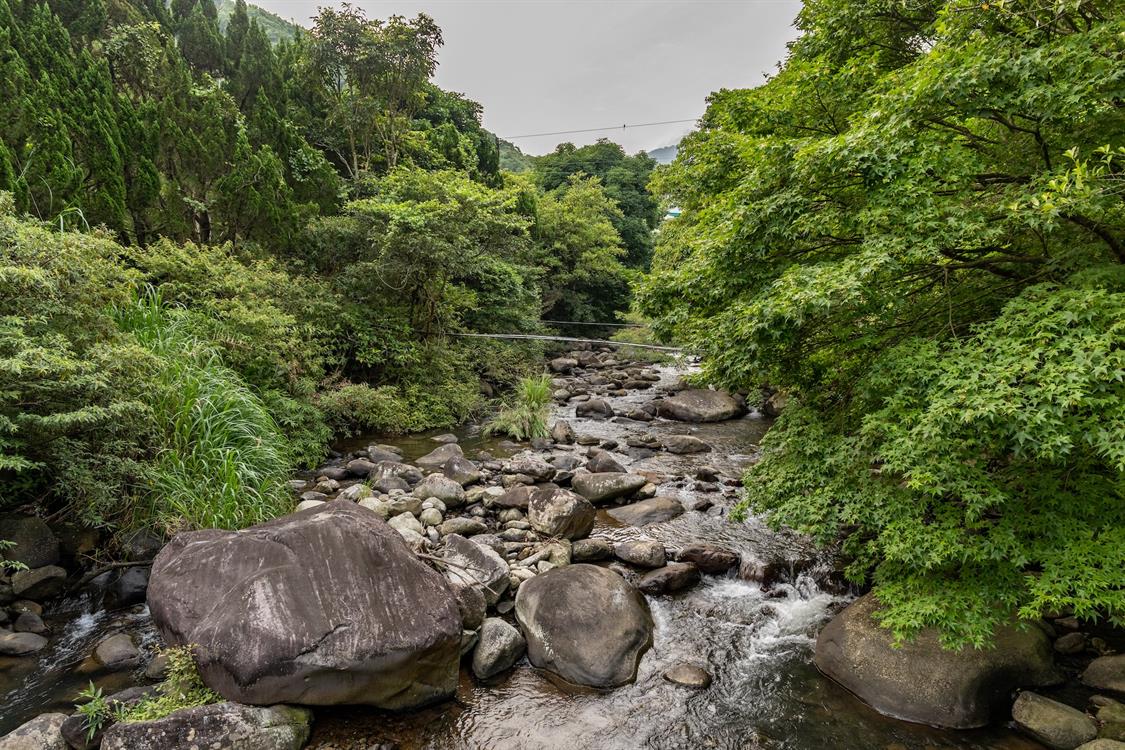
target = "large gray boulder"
x: 437, y: 458
x: 603, y: 487
x: 44, y: 732
x: 595, y: 408
x: 443, y: 488
x: 584, y: 623
x: 653, y: 510
x: 560, y: 513
x: 1106, y: 673
x: 1055, y: 724
x: 219, y: 726
x: 961, y: 689
x: 701, y: 406
x: 472, y: 564
x: 320, y: 607
x: 33, y: 542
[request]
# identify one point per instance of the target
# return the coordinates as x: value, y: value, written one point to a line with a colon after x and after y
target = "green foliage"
x: 276, y: 28
x: 915, y: 229
x: 6, y: 565
x: 73, y: 424
x: 525, y: 415
x: 182, y: 688
x: 223, y: 461
x: 94, y: 709
x: 625, y: 179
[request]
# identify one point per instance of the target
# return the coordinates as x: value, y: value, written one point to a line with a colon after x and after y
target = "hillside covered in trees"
x: 193, y: 213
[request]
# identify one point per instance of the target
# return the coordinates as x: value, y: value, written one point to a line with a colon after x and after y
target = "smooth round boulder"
x: 472, y: 564
x: 708, y: 558
x: 39, y: 583
x: 323, y: 607
x: 590, y: 550
x: 584, y: 623
x: 595, y: 408
x: 603, y: 462
x: 560, y: 513
x: 684, y: 444
x: 21, y: 644
x: 31, y: 541
x: 701, y: 406
x: 118, y: 652
x: 1106, y: 673
x: 672, y: 577
x: 219, y: 726
x: 499, y: 647
x: 961, y: 690
x: 437, y: 458
x: 1055, y: 724
x: 443, y: 488
x: 653, y: 510
x: 688, y: 675
x: 643, y: 552
x: 606, y: 486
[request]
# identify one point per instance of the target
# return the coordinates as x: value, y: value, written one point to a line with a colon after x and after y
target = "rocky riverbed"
x: 585, y: 591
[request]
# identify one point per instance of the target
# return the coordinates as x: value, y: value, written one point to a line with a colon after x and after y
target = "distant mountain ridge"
x: 276, y: 27
x: 664, y: 154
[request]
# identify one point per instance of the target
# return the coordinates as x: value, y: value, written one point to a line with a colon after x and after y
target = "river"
x: 756, y: 644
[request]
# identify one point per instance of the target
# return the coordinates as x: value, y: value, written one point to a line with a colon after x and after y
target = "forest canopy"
x: 915, y: 230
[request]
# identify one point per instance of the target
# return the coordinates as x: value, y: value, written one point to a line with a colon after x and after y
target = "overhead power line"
x: 595, y: 130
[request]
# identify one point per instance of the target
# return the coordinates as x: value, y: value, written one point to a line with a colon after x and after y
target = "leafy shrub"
x: 181, y: 688
x: 94, y: 709
x: 74, y: 431
x: 525, y: 415
x: 223, y: 461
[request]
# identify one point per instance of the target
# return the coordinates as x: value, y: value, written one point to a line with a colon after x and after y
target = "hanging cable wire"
x: 595, y: 130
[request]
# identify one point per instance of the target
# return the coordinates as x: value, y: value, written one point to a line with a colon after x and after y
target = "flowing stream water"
x: 757, y: 645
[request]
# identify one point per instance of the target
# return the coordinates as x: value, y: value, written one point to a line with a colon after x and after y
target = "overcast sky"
x: 548, y: 65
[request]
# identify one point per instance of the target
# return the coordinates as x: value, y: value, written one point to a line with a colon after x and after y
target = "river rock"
x: 590, y: 550
x: 219, y: 726
x: 383, y: 475
x: 39, y: 583
x: 33, y: 542
x: 499, y: 647
x: 603, y: 462
x: 118, y: 652
x: 531, y: 466
x: 430, y: 517
x: 560, y: 513
x: 585, y: 624
x: 406, y: 523
x: 701, y: 406
x: 653, y: 510
x: 378, y: 454
x: 445, y: 437
x: 21, y: 644
x: 1102, y: 744
x: 688, y: 675
x: 563, y: 365
x: 461, y: 470
x: 1055, y: 724
x: 472, y: 564
x: 601, y: 488
x: 517, y: 497
x: 595, y: 408
x: 44, y: 732
x: 708, y: 558
x: 562, y: 433
x: 437, y: 458
x: 1106, y: 673
x: 962, y: 688
x: 672, y: 577
x: 471, y: 605
x: 684, y: 444
x: 443, y: 488
x: 308, y: 505
x: 354, y: 493
x: 323, y: 608
x: 74, y: 729
x: 29, y: 622
x: 463, y: 526
x: 642, y: 552
x: 359, y: 467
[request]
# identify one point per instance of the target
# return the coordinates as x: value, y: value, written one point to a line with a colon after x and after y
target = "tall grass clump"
x: 223, y: 461
x: 525, y: 415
